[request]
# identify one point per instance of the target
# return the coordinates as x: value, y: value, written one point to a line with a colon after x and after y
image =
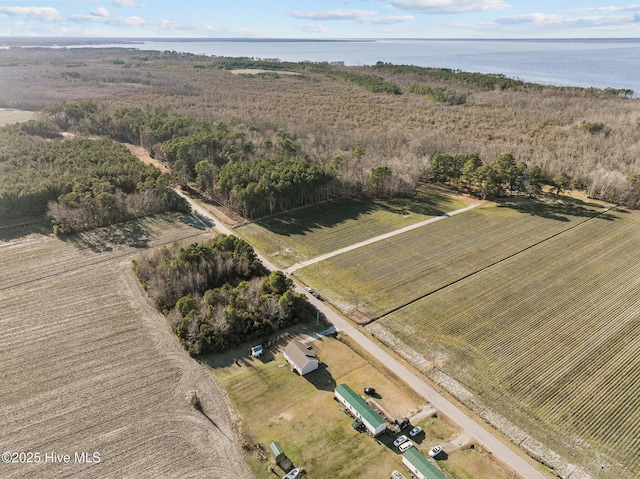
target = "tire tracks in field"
x: 484, y: 268
x: 101, y: 261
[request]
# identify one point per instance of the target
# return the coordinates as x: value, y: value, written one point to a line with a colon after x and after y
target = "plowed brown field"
x: 88, y: 365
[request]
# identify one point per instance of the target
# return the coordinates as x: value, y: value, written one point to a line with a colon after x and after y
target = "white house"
x: 301, y: 357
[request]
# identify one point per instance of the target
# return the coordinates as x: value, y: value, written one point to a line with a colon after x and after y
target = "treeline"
x: 369, y: 82
x: 256, y: 173
x: 505, y: 175
x: 79, y: 183
x: 217, y: 294
x: 481, y: 80
x: 442, y: 95
x: 540, y: 125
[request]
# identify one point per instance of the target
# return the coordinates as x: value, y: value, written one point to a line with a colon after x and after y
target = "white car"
x: 415, y: 431
x: 400, y: 440
x: 435, y: 451
x: 405, y: 445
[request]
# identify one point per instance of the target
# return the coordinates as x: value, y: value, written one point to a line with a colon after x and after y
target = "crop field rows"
x: 313, y: 231
x: 550, y: 339
x: 89, y: 366
x: 406, y: 267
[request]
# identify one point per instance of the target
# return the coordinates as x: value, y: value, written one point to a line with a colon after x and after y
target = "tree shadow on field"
x: 428, y: 202
x: 201, y: 410
x: 101, y: 240
x: 322, y: 215
x: 12, y: 230
x: 559, y: 209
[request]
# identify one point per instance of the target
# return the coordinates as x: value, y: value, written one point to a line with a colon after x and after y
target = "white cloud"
x: 548, y: 20
x: 107, y: 20
x: 338, y: 14
x: 100, y: 12
x: 45, y: 14
x: 531, y: 18
x: 449, y: 6
x: 314, y: 28
x: 124, y: 3
x: 361, y: 16
x: 626, y: 8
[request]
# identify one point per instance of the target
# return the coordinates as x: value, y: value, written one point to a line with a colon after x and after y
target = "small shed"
x: 301, y: 357
x: 420, y: 466
x: 359, y: 408
x: 280, y: 457
x: 276, y: 451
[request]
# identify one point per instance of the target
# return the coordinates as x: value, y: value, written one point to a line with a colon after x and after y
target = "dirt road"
x: 375, y: 239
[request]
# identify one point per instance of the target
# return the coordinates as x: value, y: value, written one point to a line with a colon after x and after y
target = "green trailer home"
x: 359, y: 408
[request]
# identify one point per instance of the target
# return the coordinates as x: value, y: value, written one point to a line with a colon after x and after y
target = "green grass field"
x: 301, y: 415
x: 408, y: 266
x: 302, y: 234
x: 551, y: 339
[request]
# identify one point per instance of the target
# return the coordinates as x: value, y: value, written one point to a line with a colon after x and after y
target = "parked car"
x: 403, y: 422
x: 312, y: 292
x: 257, y: 351
x: 400, y: 440
x: 435, y: 451
x: 415, y: 431
x: 405, y: 445
x: 369, y: 391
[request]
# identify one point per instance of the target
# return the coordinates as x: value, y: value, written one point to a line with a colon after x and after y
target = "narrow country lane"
x: 375, y: 239
x: 481, y: 435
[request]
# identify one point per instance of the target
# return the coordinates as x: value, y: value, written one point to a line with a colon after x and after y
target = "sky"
x: 321, y: 19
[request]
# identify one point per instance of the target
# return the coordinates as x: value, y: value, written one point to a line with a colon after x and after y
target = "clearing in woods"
x: 88, y: 365
x: 9, y: 115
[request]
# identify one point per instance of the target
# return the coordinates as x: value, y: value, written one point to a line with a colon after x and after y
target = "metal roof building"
x: 360, y: 409
x: 420, y: 466
x: 301, y: 357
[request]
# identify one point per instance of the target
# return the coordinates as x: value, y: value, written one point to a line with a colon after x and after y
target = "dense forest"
x: 256, y: 173
x: 80, y: 183
x: 217, y: 294
x: 346, y: 125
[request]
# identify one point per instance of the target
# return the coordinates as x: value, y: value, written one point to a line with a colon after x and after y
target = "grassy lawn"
x: 408, y: 266
x: 550, y: 339
x: 305, y: 233
x: 311, y: 427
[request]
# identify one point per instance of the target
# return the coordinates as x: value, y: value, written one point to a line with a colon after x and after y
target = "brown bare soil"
x: 88, y: 365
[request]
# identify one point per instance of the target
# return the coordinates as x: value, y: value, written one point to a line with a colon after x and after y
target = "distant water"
x: 598, y: 63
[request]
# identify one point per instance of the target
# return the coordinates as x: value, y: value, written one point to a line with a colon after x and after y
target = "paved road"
x: 473, y: 429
